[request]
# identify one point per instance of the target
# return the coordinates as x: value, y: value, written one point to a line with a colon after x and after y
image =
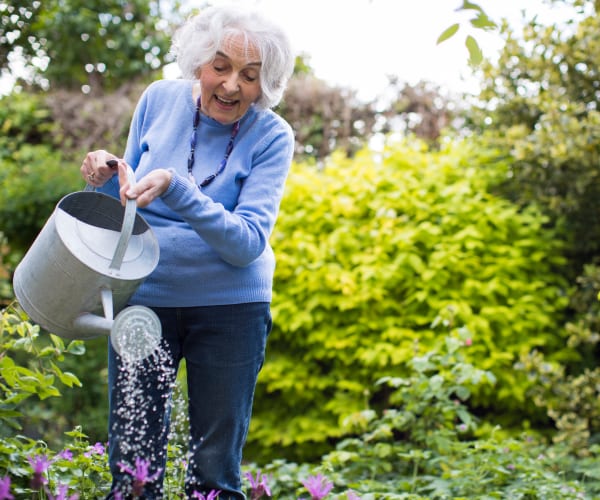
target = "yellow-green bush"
x: 372, y: 250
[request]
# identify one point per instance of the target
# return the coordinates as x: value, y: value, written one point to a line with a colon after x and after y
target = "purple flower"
x: 5, y: 489
x: 258, y: 485
x: 350, y: 495
x: 66, y: 454
x: 61, y: 494
x: 317, y: 486
x: 212, y: 495
x: 40, y: 464
x: 140, y: 474
x: 98, y: 449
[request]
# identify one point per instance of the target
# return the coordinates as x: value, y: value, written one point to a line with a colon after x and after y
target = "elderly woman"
x: 212, y: 201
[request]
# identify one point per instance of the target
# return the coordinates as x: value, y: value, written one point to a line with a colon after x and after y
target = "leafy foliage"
x: 34, y: 174
x: 423, y: 445
x: 369, y: 251
x: 572, y: 401
x: 72, y: 43
x: 480, y: 21
x: 541, y: 103
x: 83, y: 405
x: 28, y: 366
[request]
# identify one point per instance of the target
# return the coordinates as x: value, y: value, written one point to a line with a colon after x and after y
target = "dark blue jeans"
x: 224, y: 348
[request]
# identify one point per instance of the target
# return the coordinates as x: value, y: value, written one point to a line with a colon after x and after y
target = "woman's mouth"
x: 225, y: 102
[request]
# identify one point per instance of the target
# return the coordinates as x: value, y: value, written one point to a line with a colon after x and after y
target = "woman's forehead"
x: 239, y: 48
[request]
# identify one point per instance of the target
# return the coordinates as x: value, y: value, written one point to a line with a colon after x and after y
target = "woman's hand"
x: 94, y: 169
x: 147, y: 189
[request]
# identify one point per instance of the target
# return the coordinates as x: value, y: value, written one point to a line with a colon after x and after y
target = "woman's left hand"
x: 147, y: 189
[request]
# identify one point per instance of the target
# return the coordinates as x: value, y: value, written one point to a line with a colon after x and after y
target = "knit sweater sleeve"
x: 240, y: 236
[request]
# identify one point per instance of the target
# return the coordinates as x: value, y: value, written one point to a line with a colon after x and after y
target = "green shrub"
x: 34, y: 174
x: 369, y: 250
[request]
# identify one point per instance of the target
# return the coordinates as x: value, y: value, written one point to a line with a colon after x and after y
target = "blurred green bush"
x: 369, y: 250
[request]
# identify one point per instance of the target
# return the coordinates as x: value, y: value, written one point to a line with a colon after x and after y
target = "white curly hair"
x: 197, y: 41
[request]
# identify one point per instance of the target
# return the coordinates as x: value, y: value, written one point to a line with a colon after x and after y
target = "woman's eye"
x: 250, y: 78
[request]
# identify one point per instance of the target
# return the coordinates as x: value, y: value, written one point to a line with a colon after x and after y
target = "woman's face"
x: 230, y: 83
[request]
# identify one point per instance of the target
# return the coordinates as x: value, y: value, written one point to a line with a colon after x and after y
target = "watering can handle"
x: 126, y: 228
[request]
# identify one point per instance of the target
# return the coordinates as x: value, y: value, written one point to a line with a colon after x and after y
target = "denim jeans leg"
x: 224, y: 348
x: 139, y: 414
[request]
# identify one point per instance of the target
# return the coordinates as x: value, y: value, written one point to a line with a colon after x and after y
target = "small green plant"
x: 29, y: 365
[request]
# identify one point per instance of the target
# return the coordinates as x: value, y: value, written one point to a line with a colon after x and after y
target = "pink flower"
x: 5, y: 489
x: 66, y: 454
x: 61, y: 494
x: 140, y: 474
x: 97, y: 449
x: 258, y: 485
x: 212, y: 495
x: 468, y: 342
x: 317, y: 486
x: 40, y: 465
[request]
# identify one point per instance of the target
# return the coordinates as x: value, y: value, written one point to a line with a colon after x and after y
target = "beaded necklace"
x: 228, y: 149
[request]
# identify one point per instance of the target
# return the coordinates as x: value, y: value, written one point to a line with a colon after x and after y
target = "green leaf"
x: 482, y: 21
x: 47, y: 352
x: 475, y: 54
x: 462, y: 393
x: 470, y: 6
x: 67, y: 378
x: 4, y: 413
x: 76, y: 433
x: 76, y: 347
x: 58, y: 342
x: 448, y: 33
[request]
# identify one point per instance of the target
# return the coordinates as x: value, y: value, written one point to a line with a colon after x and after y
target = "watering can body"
x: 85, y: 265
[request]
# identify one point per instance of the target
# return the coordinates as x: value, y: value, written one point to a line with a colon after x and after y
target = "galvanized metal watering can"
x: 84, y: 266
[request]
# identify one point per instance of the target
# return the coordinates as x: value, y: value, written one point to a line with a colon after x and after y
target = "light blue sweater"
x: 214, y: 241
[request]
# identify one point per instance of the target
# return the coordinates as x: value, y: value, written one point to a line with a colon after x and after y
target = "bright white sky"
x: 356, y: 43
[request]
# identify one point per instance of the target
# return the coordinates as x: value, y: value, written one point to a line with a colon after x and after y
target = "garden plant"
x: 436, y: 312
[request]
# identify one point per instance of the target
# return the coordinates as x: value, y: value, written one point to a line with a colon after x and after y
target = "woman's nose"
x: 231, y: 84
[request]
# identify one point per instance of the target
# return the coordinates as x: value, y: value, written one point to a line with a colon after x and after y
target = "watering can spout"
x: 134, y: 334
x: 91, y: 325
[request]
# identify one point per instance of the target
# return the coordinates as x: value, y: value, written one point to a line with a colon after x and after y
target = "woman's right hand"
x: 94, y: 168
x: 147, y: 189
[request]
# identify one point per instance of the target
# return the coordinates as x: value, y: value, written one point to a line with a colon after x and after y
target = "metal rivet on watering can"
x: 84, y: 266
